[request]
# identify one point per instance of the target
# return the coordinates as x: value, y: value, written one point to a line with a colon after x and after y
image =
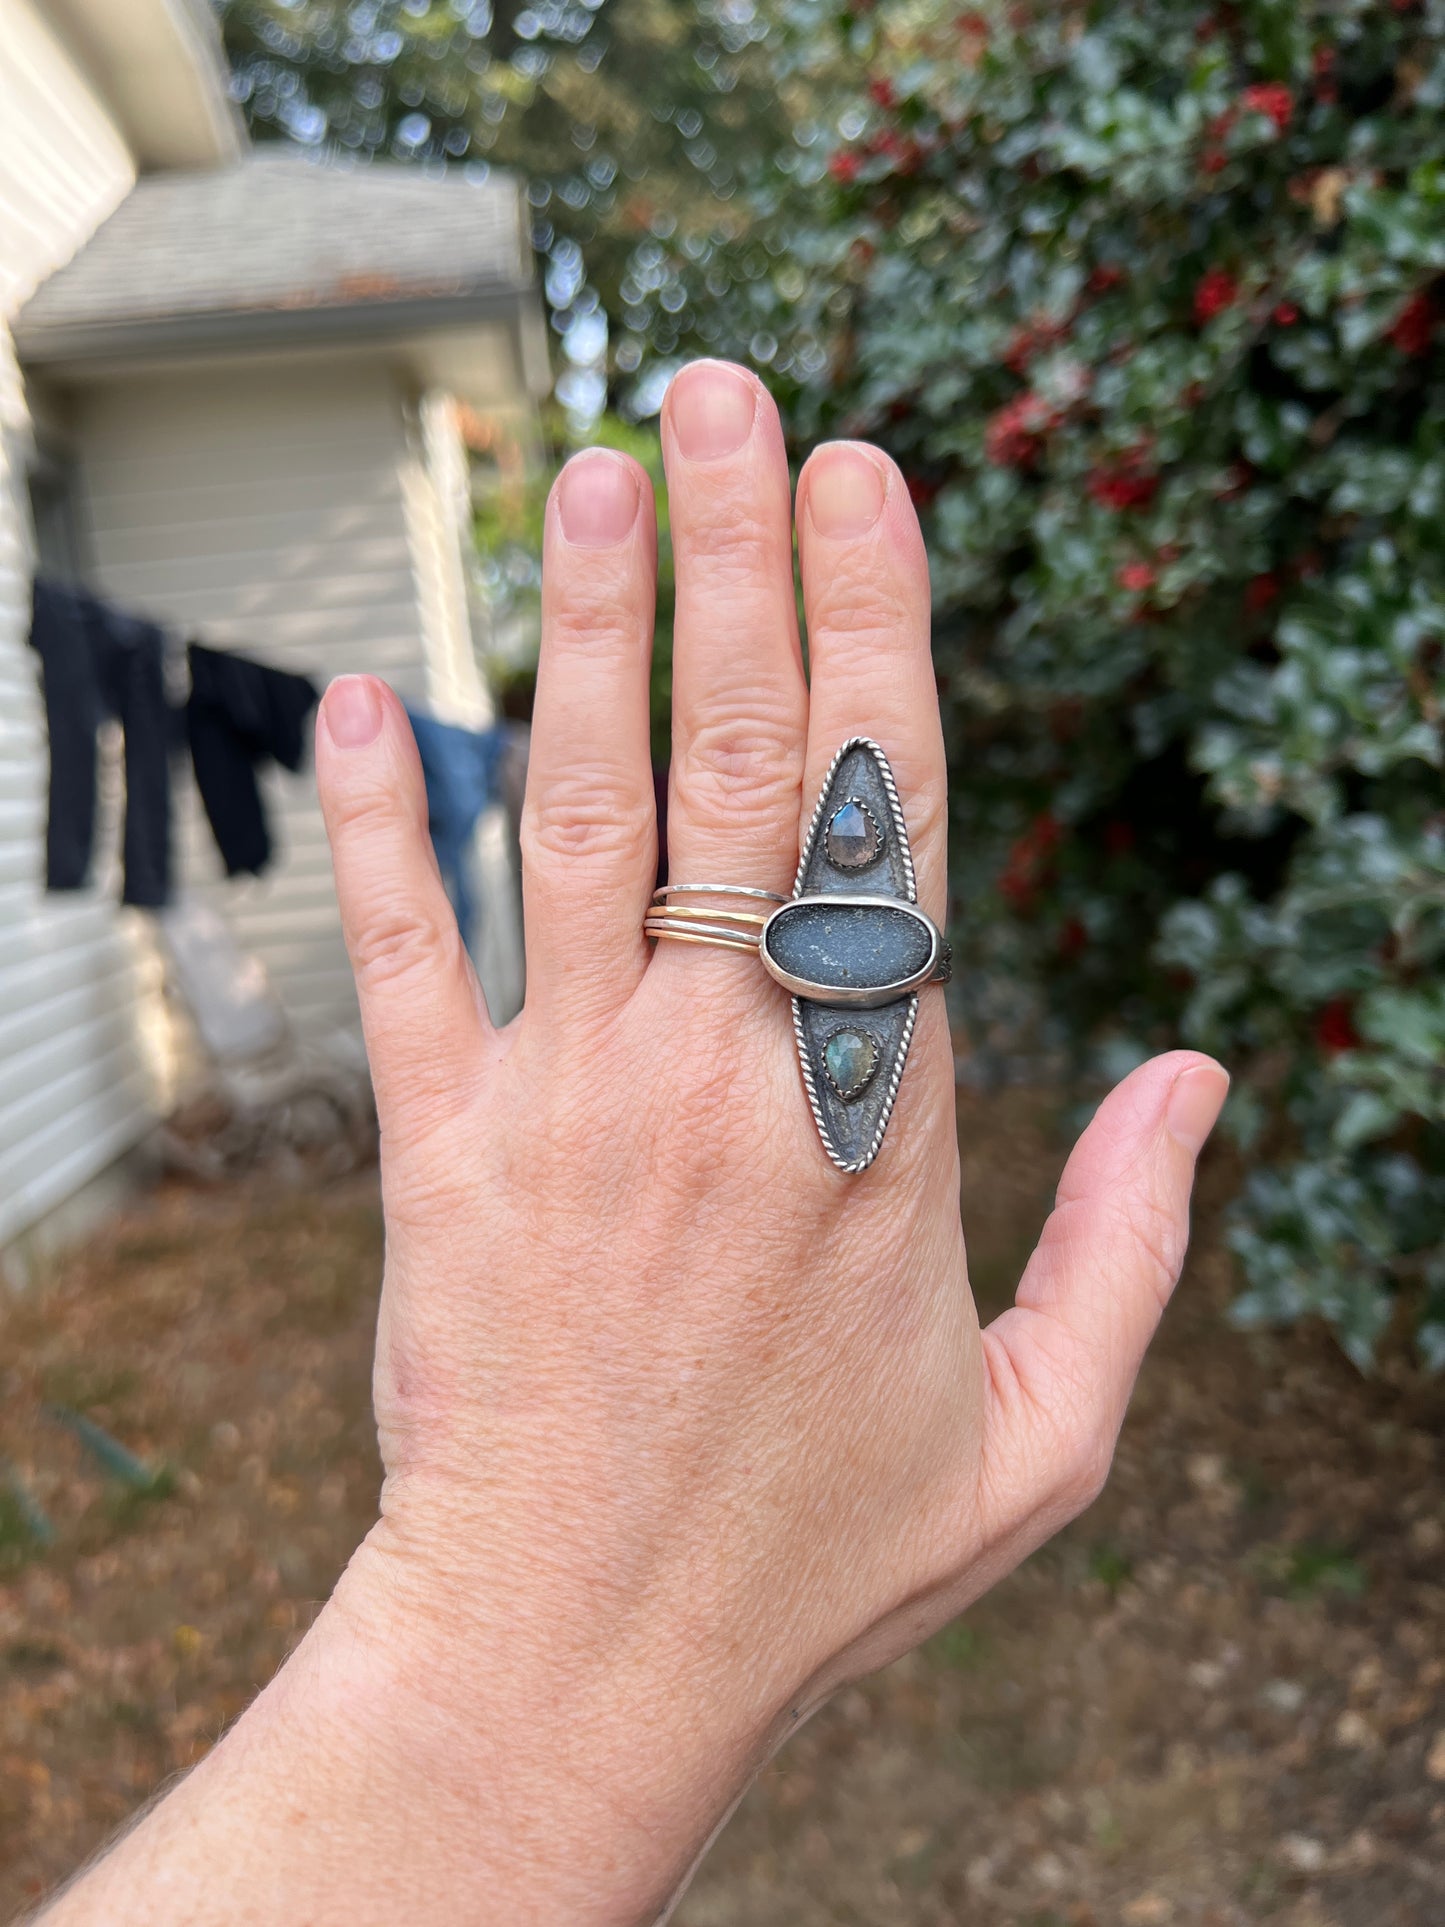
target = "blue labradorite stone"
x: 851, y: 1057
x: 848, y: 946
x: 853, y: 839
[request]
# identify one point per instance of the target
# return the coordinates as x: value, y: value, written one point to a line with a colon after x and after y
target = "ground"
x: 1218, y: 1699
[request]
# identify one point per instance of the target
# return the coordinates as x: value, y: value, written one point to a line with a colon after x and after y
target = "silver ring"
x: 850, y: 946
x: 715, y: 890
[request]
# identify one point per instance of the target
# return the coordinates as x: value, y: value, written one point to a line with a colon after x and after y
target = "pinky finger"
x: 422, y: 1010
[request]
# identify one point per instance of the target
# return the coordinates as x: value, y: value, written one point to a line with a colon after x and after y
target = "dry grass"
x: 1213, y: 1701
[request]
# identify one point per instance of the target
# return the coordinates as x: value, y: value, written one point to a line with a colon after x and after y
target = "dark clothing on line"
x: 100, y: 663
x: 462, y: 768
x: 240, y: 714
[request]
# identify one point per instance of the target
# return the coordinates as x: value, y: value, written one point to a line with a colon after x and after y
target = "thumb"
x: 1062, y: 1361
x: 422, y: 1009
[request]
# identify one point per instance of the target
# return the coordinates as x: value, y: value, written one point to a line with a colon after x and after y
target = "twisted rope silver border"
x: 851, y: 1168
x: 900, y: 826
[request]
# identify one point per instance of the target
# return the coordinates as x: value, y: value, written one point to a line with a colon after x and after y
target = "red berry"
x: 1216, y: 292
x: 1136, y: 577
x: 1260, y: 594
x: 1414, y: 326
x: 1286, y: 314
x: 1273, y: 100
x: 1335, y: 1027
x: 1013, y: 437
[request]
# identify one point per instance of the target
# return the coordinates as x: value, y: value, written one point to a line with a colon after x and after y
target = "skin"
x: 682, y: 1428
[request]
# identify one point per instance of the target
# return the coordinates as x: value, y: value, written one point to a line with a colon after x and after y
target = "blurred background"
x: 302, y: 303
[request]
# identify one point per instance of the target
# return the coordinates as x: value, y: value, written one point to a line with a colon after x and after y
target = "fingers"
x: 589, y: 831
x: 1063, y: 1361
x: 739, y: 703
x: 421, y: 1006
x: 866, y: 593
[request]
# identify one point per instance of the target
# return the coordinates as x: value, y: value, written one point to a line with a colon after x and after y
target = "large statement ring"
x: 851, y: 946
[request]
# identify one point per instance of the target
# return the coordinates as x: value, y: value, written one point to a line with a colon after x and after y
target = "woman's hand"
x: 682, y: 1427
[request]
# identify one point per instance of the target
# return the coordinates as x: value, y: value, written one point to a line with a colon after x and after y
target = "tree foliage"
x: 1146, y: 298
x: 637, y: 124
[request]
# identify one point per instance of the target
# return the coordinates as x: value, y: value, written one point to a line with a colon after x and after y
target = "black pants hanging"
x: 241, y: 713
x: 99, y: 662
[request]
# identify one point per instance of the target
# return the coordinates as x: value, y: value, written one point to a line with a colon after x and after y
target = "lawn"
x: 1219, y: 1699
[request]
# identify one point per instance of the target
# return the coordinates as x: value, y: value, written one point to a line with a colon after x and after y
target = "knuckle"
x: 728, y: 538
x: 396, y: 948
x: 361, y: 816
x: 1159, y: 1238
x: 749, y: 766
x: 579, y: 819
x: 861, y: 616
x: 1086, y: 1471
x: 589, y: 618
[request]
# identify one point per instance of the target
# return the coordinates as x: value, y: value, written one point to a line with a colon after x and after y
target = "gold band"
x: 748, y: 918
x: 698, y: 930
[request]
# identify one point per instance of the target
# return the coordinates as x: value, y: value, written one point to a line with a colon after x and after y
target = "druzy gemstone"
x: 851, y: 1057
x: 854, y: 838
x: 848, y: 946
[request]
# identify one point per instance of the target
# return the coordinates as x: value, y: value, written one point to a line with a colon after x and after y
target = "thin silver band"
x: 715, y: 890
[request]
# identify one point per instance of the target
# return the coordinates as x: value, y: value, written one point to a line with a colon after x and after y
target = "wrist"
x: 534, y: 1772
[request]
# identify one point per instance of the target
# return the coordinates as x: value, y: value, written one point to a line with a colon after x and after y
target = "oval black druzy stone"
x: 848, y: 946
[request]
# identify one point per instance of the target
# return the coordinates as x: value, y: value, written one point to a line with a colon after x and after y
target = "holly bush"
x: 1146, y: 298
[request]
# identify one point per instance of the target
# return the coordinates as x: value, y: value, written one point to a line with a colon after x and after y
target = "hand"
x: 682, y: 1427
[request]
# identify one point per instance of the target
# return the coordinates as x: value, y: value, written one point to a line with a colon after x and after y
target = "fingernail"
x: 1194, y: 1105
x: 845, y: 492
x: 596, y: 500
x: 711, y: 408
x: 352, y: 709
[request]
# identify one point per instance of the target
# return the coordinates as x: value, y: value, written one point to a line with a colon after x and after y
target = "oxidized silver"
x: 850, y: 946
x: 852, y: 1127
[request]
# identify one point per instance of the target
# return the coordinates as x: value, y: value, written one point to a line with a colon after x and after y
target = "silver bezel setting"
x: 862, y: 863
x: 842, y: 1030
x: 869, y: 997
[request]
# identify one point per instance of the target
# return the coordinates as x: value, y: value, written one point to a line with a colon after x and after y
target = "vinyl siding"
x: 437, y: 492
x: 76, y: 1084
x: 261, y: 507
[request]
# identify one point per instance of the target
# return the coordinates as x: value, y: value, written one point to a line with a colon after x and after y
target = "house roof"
x: 279, y: 249
x: 159, y: 66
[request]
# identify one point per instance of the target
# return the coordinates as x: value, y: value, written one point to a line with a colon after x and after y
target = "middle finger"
x: 739, y: 700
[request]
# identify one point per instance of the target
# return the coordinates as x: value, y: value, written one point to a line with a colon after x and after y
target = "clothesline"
x: 99, y: 662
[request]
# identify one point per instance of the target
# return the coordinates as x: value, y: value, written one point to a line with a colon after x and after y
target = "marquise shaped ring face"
x: 850, y: 946
x: 854, y: 950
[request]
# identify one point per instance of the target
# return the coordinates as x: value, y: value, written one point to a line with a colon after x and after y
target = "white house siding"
x: 260, y: 507
x: 75, y: 1086
x: 437, y: 485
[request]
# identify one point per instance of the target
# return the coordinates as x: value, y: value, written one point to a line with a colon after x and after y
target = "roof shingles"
x: 275, y: 235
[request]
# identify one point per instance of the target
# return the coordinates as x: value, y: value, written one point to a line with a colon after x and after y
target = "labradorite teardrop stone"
x: 853, y: 839
x: 851, y: 1057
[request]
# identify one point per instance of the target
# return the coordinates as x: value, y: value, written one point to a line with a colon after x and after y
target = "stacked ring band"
x: 732, y: 929
x: 850, y: 945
